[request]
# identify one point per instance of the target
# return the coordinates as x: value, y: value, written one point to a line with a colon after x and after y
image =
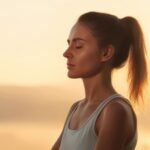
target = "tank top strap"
x: 107, y: 100
x: 75, y: 106
x: 104, y: 103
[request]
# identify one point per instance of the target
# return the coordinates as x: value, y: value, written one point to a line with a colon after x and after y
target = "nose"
x: 68, y: 53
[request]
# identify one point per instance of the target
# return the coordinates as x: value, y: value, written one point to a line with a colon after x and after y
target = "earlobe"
x: 107, y: 53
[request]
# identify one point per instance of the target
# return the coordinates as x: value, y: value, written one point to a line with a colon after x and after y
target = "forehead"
x: 81, y: 31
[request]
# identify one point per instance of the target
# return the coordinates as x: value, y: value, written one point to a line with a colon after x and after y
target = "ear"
x: 107, y: 53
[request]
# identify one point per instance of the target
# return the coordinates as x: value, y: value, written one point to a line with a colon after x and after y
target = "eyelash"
x: 79, y: 47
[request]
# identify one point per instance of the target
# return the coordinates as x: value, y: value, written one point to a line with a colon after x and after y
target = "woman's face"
x: 83, y: 54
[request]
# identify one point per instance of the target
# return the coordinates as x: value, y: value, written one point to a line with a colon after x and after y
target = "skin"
x: 116, y: 126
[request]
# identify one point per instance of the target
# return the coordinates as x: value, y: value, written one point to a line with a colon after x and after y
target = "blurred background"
x: 35, y: 92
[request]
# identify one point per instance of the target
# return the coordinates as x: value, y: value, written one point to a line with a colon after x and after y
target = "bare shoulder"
x: 72, y: 108
x: 116, y: 107
x: 117, y: 112
x: 74, y: 105
x: 114, y: 125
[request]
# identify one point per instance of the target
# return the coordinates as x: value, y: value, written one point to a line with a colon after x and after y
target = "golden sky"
x: 33, y: 35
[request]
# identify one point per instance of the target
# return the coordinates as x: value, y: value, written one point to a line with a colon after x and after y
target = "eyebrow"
x: 76, y: 39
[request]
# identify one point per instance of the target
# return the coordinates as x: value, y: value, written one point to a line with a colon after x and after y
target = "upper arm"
x: 58, y: 141
x: 112, y: 133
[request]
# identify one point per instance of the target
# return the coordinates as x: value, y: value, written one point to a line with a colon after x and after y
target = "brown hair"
x: 127, y: 38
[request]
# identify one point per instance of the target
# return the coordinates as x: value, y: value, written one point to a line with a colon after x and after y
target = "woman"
x: 104, y: 119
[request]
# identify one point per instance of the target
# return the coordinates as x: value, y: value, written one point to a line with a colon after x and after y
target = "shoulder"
x: 73, y: 106
x: 116, y: 112
x: 113, y: 125
x: 120, y: 110
x: 115, y: 116
x: 120, y: 113
x: 116, y: 108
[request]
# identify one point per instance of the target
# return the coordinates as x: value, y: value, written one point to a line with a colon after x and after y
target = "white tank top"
x: 85, y: 137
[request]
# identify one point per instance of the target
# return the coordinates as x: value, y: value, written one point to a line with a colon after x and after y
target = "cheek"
x: 90, y: 64
x: 89, y: 58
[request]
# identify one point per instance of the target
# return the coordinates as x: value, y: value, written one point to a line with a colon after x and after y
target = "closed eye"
x: 78, y: 47
x: 77, y: 43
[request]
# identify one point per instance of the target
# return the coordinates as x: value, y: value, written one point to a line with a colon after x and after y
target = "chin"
x: 81, y: 75
x: 73, y: 75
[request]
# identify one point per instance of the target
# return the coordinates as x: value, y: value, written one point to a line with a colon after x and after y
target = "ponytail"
x: 137, y: 68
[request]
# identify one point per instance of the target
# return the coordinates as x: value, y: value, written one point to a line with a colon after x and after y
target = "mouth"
x: 69, y: 66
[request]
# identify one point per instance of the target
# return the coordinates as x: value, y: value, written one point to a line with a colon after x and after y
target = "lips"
x: 69, y: 65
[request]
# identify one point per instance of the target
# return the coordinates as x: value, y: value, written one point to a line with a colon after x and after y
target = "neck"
x: 98, y: 87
